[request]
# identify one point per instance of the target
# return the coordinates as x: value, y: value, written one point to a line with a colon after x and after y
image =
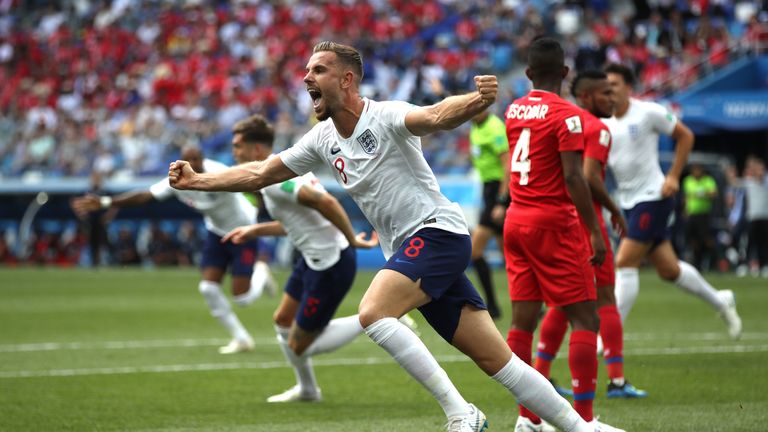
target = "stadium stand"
x: 120, y: 86
x: 128, y: 83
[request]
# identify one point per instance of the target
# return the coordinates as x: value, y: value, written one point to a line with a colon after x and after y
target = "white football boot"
x: 237, y: 346
x: 474, y: 421
x: 729, y: 314
x: 294, y: 394
x: 526, y: 425
x: 602, y: 427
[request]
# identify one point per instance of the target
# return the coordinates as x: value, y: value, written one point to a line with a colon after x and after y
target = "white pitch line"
x: 715, y: 349
x: 684, y: 337
x: 113, y: 345
x: 191, y: 343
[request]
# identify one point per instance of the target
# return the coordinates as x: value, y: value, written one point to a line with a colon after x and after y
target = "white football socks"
x: 627, y: 288
x: 537, y: 394
x: 693, y: 282
x: 411, y: 353
x: 259, y: 281
x: 336, y: 334
x: 222, y: 311
x: 302, y: 365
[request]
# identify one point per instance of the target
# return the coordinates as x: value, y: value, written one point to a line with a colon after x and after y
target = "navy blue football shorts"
x: 320, y: 293
x: 222, y: 255
x: 651, y: 221
x: 439, y: 258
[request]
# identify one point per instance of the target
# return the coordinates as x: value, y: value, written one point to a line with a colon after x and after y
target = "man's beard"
x: 325, y: 115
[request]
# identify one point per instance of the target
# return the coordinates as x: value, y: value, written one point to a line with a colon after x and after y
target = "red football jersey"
x: 597, y: 145
x: 540, y: 126
x: 597, y: 139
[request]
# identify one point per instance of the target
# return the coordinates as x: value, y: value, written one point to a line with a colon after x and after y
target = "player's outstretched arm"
x: 332, y: 210
x: 242, y: 234
x: 684, y: 138
x: 91, y: 203
x: 582, y: 199
x: 453, y: 110
x: 593, y: 172
x: 248, y: 177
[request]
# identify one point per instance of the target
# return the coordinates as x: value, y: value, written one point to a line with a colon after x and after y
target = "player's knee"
x: 297, y: 346
x: 669, y: 273
x: 294, y: 345
x: 583, y: 316
x: 606, y: 296
x: 524, y: 325
x: 282, y: 318
x: 207, y: 288
x: 587, y: 322
x: 624, y: 262
x: 594, y: 323
x: 300, y: 339
x: 367, y: 315
x: 525, y: 317
x: 211, y: 292
x: 372, y: 310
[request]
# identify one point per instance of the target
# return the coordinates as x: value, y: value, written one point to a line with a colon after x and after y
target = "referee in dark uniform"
x: 490, y: 155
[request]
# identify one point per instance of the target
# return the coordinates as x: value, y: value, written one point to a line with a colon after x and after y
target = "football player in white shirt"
x: 647, y: 196
x: 222, y: 212
x: 375, y: 150
x: 317, y: 225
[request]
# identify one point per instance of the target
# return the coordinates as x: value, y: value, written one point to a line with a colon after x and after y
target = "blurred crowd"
x: 724, y: 223
x: 119, y: 86
x: 125, y: 244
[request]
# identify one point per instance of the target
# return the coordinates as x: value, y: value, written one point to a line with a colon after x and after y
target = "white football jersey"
x: 382, y: 168
x: 318, y: 240
x: 222, y: 211
x: 634, y: 156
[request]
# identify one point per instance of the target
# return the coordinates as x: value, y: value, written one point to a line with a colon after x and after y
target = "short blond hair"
x: 348, y: 55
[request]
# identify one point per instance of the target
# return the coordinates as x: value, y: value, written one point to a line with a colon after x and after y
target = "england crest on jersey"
x: 634, y: 131
x: 368, y: 142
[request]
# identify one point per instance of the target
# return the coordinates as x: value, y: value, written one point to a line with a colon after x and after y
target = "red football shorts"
x: 550, y: 265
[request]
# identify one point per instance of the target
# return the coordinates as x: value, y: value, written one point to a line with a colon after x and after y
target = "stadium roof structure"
x: 732, y: 99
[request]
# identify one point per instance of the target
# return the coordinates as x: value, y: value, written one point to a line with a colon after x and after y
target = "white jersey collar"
x: 361, y: 123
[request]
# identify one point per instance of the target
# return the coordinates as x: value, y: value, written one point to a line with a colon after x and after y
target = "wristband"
x: 105, y: 202
x: 505, y: 200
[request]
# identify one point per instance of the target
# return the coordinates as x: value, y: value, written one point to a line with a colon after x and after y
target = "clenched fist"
x: 488, y: 87
x: 181, y: 175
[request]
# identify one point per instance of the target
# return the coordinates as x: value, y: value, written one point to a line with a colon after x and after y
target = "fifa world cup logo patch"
x: 573, y: 124
x: 368, y: 142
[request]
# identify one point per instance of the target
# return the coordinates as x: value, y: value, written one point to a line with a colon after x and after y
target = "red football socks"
x: 613, y: 340
x: 582, y: 360
x: 553, y: 328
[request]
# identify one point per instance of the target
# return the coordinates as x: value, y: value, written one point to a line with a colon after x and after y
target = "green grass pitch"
x: 135, y: 350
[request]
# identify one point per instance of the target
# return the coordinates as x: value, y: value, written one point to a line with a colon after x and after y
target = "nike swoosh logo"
x: 335, y: 150
x: 398, y: 260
